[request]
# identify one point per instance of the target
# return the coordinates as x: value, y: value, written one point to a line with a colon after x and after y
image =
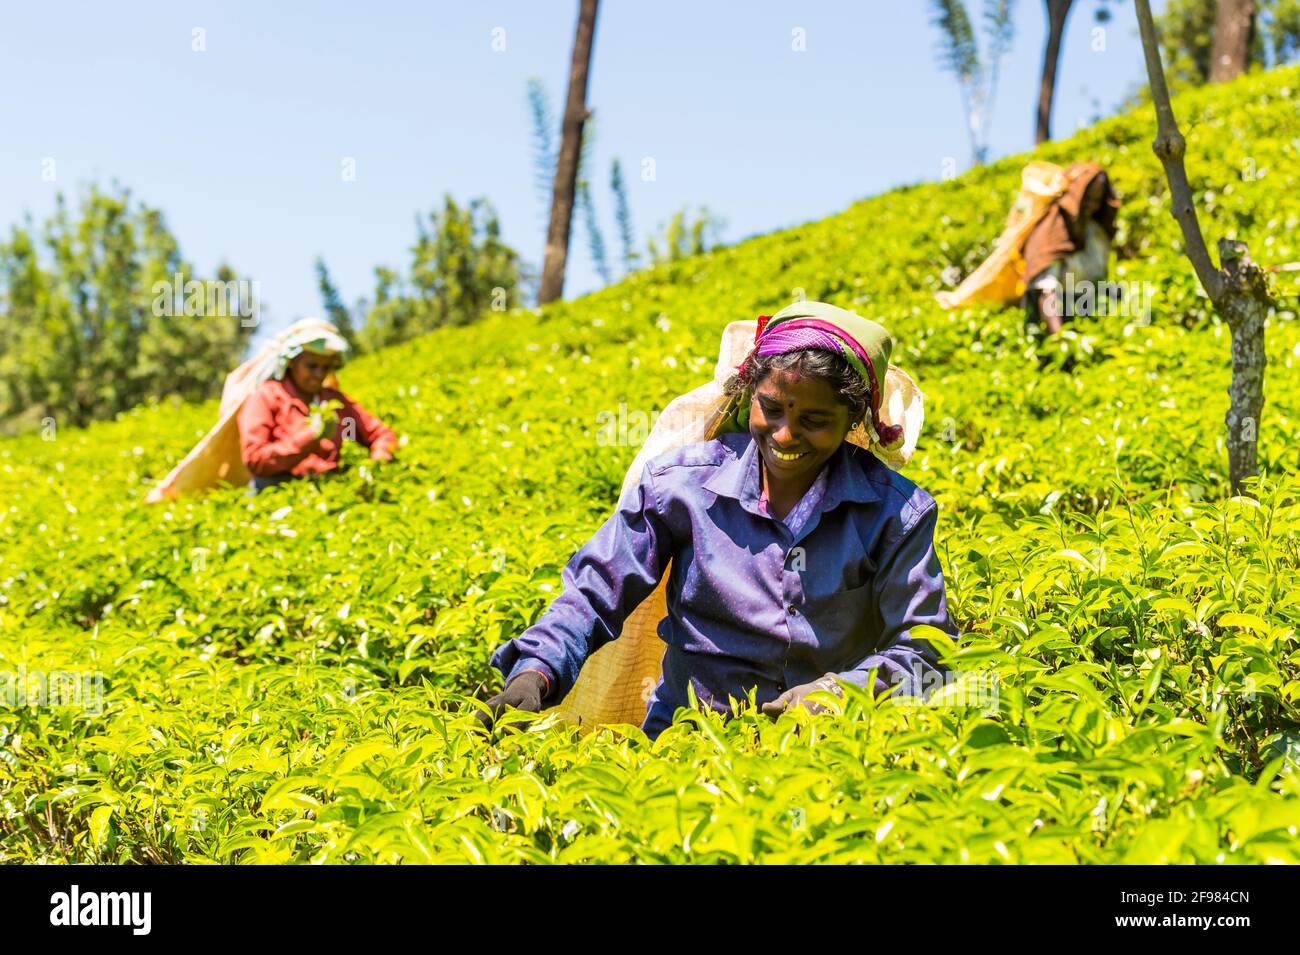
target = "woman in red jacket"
x: 292, y: 425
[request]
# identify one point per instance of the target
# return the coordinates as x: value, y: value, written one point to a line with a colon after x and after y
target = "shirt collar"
x: 737, y: 478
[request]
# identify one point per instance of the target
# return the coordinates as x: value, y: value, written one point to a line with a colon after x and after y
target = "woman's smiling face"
x: 792, y: 414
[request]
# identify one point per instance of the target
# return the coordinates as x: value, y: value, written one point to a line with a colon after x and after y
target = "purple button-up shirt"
x: 751, y: 603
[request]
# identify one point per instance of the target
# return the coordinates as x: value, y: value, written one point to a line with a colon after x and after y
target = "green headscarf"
x: 316, y: 340
x: 873, y: 343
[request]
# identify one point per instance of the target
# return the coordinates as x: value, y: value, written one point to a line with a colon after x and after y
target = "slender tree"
x: 595, y: 240
x: 976, y: 75
x: 1058, y: 11
x: 586, y: 206
x: 543, y: 117
x: 1000, y: 28
x: 1238, y: 289
x: 623, y: 215
x: 332, y: 302
x: 566, y: 166
x: 959, y: 55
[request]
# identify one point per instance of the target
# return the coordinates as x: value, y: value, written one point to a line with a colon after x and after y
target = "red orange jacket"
x: 275, y: 435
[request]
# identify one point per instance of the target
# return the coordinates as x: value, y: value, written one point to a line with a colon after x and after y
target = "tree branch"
x: 1169, y: 146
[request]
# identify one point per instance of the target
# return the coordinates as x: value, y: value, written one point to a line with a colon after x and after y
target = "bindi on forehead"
x: 812, y: 394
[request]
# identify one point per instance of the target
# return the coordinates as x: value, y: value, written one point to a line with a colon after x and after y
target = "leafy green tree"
x: 460, y: 268
x: 99, y: 311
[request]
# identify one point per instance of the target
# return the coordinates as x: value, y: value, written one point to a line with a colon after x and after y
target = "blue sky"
x: 243, y: 144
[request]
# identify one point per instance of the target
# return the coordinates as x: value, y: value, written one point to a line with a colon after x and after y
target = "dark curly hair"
x: 849, y: 388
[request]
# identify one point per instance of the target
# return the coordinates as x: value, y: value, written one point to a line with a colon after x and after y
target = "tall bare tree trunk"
x: 1057, y: 12
x: 576, y: 115
x: 1234, y: 21
x: 1238, y: 290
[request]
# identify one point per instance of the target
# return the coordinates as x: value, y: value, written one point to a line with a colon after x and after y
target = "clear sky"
x: 243, y: 143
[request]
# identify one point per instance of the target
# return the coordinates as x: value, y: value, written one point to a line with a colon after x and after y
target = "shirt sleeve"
x: 365, y: 427
x: 909, y: 592
x: 264, y: 454
x: 602, y: 584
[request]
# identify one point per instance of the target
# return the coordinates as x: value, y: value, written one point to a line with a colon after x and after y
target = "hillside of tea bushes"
x: 290, y: 677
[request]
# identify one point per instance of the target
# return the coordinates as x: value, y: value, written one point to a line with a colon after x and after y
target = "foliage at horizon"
x: 85, y: 331
x: 460, y: 270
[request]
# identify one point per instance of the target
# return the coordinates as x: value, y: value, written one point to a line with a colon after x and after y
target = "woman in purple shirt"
x: 798, y: 559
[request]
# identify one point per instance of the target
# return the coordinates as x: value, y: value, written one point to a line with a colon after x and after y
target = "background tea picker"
x: 219, y: 457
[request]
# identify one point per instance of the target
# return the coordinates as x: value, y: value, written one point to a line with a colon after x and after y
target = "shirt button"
x: 793, y: 609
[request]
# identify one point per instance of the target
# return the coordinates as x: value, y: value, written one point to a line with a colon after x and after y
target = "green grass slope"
x: 288, y: 678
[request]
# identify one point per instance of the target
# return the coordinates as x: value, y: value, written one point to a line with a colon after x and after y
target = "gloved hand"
x: 524, y: 692
x: 796, y: 696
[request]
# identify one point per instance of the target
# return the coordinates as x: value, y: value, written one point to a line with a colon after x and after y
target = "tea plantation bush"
x: 290, y: 677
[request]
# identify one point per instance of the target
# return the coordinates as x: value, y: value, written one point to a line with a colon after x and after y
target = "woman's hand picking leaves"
x: 324, y: 419
x: 525, y: 692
